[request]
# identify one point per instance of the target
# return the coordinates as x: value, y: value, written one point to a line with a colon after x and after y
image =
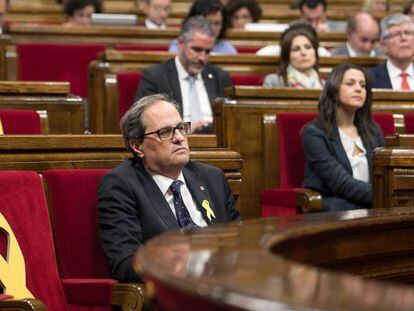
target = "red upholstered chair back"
x: 57, y: 62
x: 247, y: 49
x: 254, y: 79
x: 23, y: 204
x: 291, y: 157
x: 20, y: 122
x: 73, y: 203
x: 158, y: 48
x: 409, y: 123
x: 385, y: 122
x: 127, y: 87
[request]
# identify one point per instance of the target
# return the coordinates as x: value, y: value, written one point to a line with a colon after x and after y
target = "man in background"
x: 314, y: 13
x: 363, y: 34
x: 188, y: 78
x: 397, y: 39
x: 157, y: 12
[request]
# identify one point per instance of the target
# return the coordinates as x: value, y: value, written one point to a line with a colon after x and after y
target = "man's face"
x: 364, y: 37
x: 193, y: 54
x: 399, y: 43
x: 168, y: 157
x: 157, y: 11
x: 314, y: 16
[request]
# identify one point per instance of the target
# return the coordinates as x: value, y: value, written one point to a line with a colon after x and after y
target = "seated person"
x: 314, y: 13
x: 216, y: 13
x: 408, y: 9
x: 397, y: 39
x: 157, y: 12
x: 338, y: 145
x: 298, y: 65
x: 188, y: 78
x: 159, y: 189
x: 242, y: 12
x: 363, y: 33
x: 79, y: 12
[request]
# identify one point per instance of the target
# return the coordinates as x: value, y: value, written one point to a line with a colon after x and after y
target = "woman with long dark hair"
x: 339, y: 143
x: 298, y: 65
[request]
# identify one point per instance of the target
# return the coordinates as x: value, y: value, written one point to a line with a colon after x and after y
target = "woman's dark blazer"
x: 328, y: 170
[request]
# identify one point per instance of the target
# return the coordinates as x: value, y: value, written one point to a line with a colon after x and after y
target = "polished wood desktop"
x: 325, y: 261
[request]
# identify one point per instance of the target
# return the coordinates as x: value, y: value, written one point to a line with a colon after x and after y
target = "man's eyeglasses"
x: 393, y: 35
x: 168, y: 133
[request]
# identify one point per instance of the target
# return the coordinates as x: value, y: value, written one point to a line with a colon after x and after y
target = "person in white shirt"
x: 397, y: 39
x: 363, y: 34
x: 157, y: 12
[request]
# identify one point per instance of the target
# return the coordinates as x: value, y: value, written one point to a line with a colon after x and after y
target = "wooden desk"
x: 282, y: 264
x: 103, y: 88
x: 65, y: 112
x: 393, y: 173
x: 246, y: 121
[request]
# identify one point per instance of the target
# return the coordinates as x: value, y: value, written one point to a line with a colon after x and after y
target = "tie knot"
x: 404, y: 74
x: 191, y: 79
x: 175, y: 187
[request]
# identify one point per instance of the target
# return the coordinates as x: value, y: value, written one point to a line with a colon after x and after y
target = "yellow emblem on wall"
x: 13, y: 270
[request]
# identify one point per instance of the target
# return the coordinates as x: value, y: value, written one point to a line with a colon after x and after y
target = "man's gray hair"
x: 194, y: 24
x: 132, y: 123
x: 392, y: 20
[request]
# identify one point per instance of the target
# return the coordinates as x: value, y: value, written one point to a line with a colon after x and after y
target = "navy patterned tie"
x: 183, y: 216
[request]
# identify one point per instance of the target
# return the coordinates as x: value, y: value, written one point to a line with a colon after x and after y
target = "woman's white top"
x: 359, y: 163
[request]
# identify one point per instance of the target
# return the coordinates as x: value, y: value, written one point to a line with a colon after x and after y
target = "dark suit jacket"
x: 343, y: 51
x: 379, y: 78
x: 163, y: 78
x: 328, y: 170
x: 132, y: 209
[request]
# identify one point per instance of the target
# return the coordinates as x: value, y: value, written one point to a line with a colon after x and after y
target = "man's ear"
x: 137, y: 149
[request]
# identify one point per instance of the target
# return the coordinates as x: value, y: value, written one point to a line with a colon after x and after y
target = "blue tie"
x: 184, y: 218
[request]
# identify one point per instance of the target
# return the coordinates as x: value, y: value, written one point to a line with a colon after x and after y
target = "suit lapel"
x: 209, y: 82
x: 385, y: 77
x: 201, y: 195
x: 156, y: 198
x: 172, y: 76
x: 340, y: 151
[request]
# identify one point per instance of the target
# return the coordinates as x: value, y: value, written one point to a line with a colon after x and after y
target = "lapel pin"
x: 206, y: 205
x: 210, y: 76
x: 202, y: 188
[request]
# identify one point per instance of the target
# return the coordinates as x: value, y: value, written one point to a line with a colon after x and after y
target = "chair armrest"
x: 309, y: 201
x: 22, y: 305
x: 130, y: 296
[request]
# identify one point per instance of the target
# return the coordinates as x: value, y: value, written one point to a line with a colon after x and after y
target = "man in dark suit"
x: 397, y: 38
x: 188, y: 78
x: 363, y: 33
x: 158, y: 190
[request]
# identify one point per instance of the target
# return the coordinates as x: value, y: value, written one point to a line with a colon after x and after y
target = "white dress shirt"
x: 201, y: 91
x: 359, y: 163
x: 352, y: 52
x: 395, y: 75
x: 150, y: 25
x: 164, y: 184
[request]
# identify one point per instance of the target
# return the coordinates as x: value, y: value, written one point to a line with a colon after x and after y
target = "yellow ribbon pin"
x: 206, y: 205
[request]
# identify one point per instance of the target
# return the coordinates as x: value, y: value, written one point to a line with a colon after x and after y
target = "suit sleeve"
x: 119, y: 225
x: 147, y: 85
x: 332, y: 173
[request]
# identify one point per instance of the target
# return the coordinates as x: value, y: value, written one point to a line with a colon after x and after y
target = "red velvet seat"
x: 57, y: 62
x: 247, y: 49
x: 283, y: 201
x: 254, y: 79
x: 73, y: 203
x: 158, y: 48
x: 127, y: 86
x: 409, y: 123
x: 20, y: 122
x: 23, y: 204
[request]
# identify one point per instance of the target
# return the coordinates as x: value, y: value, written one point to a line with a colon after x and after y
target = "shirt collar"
x: 352, y: 52
x: 164, y: 183
x: 395, y: 72
x: 150, y: 25
x: 182, y: 73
